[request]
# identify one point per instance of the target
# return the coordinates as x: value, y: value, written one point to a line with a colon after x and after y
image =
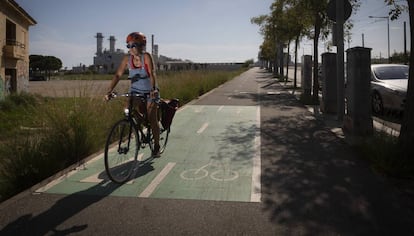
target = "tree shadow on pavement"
x: 314, y: 183
x: 50, y: 222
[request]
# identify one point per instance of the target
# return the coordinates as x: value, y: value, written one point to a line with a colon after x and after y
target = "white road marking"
x: 199, y: 109
x: 220, y: 108
x: 256, y: 190
x: 158, y: 179
x: 273, y: 93
x: 93, y: 178
x: 57, y: 181
x: 204, y: 127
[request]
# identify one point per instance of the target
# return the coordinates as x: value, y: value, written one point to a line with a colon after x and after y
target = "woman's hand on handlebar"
x: 109, y: 96
x: 154, y: 94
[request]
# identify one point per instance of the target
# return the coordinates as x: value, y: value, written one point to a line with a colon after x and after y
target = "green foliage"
x: 188, y: 85
x: 48, y: 136
x: 400, y: 58
x: 44, y: 63
x: 248, y: 63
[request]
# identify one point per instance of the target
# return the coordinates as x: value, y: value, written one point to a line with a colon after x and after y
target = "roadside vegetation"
x: 40, y: 136
x: 381, y: 151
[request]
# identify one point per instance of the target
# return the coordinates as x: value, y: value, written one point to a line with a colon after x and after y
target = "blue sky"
x: 198, y: 30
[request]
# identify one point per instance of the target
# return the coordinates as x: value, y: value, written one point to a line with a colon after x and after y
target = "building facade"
x: 14, y: 44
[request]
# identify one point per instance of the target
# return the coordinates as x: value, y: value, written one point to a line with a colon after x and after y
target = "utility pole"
x: 405, y: 43
x: 363, y: 41
x: 152, y: 44
x: 388, y: 31
x: 340, y: 59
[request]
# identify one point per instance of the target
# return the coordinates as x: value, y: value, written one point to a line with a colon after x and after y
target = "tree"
x: 44, y: 63
x: 406, y: 138
x: 285, y: 23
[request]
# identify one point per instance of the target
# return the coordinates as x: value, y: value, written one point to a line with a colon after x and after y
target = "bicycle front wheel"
x: 121, y: 151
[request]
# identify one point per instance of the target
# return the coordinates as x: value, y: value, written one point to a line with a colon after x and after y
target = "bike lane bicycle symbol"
x: 223, y: 174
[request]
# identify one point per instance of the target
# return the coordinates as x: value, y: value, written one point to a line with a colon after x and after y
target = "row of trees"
x: 44, y: 64
x: 292, y: 20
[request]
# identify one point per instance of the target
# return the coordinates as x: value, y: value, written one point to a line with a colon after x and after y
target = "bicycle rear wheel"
x: 121, y: 151
x: 163, y: 138
x: 164, y: 132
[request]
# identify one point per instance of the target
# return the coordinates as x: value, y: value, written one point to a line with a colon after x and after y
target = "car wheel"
x: 377, y: 105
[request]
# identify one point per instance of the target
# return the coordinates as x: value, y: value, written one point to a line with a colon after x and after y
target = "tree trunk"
x: 315, y: 58
x: 287, y: 62
x: 296, y: 62
x: 406, y: 138
x: 281, y: 64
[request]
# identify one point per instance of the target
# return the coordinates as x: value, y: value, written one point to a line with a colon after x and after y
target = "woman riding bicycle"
x: 143, y: 79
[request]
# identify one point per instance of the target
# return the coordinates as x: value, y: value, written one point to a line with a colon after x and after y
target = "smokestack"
x: 112, y: 44
x: 99, y: 39
x: 152, y: 44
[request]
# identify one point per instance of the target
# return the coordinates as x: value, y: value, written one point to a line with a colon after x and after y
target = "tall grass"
x: 383, y: 153
x: 189, y: 85
x: 47, y: 136
x: 40, y: 136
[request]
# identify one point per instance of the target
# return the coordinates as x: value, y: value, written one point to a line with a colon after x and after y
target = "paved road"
x: 269, y: 167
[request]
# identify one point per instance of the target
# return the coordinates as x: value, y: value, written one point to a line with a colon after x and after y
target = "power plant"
x: 106, y: 61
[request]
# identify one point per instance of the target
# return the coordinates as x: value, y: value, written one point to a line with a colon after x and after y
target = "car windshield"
x: 391, y: 72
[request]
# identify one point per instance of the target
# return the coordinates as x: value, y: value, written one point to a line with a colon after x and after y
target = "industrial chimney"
x: 99, y: 39
x: 112, y: 44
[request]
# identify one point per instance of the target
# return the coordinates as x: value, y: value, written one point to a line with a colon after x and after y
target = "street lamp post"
x: 388, y: 31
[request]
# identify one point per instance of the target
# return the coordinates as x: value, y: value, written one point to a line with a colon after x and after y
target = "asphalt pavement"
x: 310, y: 181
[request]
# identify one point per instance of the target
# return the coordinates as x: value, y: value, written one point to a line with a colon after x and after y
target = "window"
x: 10, y: 33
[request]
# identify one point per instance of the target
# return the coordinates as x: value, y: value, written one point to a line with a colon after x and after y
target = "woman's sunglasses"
x: 134, y: 45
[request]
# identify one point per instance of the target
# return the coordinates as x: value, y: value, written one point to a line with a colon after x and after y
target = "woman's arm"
x: 151, y: 70
x: 119, y: 72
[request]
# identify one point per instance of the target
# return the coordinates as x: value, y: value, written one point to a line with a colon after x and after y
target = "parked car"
x: 37, y: 78
x: 389, y: 84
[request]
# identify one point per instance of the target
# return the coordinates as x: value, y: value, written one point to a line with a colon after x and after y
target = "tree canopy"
x: 44, y: 63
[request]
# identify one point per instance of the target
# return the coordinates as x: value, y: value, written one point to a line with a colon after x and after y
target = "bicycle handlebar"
x: 115, y: 95
x: 138, y: 95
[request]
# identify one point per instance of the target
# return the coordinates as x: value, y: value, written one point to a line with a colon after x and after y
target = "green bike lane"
x: 213, y: 153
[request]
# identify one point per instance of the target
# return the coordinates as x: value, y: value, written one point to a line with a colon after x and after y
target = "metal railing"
x: 13, y: 42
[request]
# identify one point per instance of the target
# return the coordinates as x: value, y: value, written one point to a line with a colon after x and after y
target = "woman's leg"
x: 152, y: 116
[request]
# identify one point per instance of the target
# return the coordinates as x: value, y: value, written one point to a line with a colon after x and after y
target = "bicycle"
x: 132, y: 133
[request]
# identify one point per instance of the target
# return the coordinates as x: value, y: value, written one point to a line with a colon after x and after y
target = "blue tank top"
x: 140, y: 80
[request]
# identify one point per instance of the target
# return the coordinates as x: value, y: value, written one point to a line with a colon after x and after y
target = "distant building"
x: 107, y: 61
x: 14, y: 47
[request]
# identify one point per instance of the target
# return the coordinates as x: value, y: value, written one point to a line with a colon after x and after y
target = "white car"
x: 389, y: 84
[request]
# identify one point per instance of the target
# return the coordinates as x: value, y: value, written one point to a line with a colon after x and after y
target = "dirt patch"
x: 75, y: 88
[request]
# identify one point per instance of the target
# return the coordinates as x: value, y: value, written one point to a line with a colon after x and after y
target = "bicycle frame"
x: 139, y: 119
x: 131, y: 133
